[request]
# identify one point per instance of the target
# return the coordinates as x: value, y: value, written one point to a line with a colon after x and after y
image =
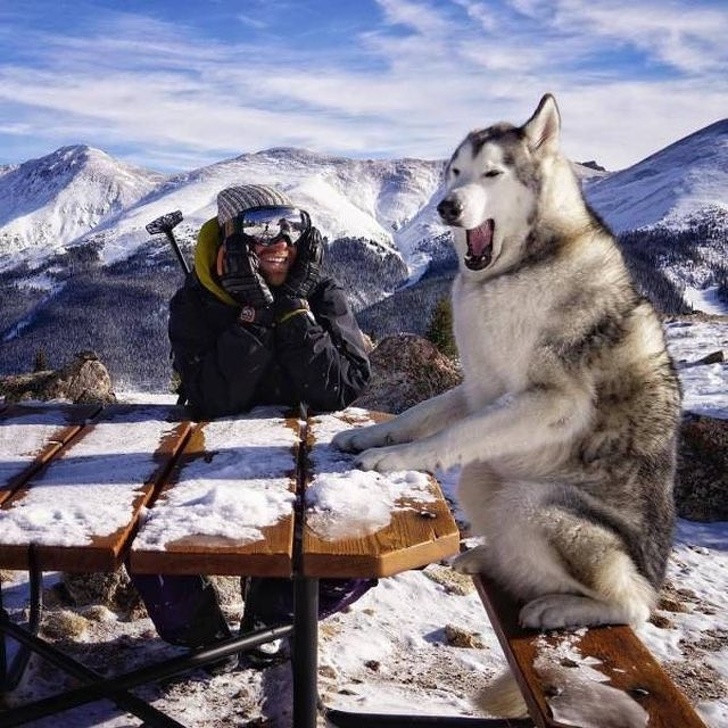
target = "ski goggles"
x: 270, y: 224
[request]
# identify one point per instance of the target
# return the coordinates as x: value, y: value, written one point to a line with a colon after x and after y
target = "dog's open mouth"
x: 480, y: 245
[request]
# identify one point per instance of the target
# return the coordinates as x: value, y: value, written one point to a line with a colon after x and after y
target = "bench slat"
x: 30, y: 435
x: 621, y: 655
x: 419, y: 530
x: 95, y: 487
x: 246, y: 464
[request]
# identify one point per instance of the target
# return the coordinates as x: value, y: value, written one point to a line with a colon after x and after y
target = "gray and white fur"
x: 565, y: 425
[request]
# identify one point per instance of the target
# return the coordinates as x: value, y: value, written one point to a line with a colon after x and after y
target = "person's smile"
x: 275, y: 261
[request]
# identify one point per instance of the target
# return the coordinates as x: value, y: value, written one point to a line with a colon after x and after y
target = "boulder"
x: 84, y: 380
x: 113, y: 590
x: 407, y: 369
x: 701, y: 485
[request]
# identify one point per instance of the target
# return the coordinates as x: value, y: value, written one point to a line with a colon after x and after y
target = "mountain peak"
x: 685, y: 177
x: 63, y: 160
x: 72, y: 151
x: 50, y: 201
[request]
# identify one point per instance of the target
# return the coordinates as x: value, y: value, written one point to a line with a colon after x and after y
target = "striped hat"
x: 234, y: 200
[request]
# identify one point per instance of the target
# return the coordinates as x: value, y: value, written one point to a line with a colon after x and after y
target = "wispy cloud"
x: 385, y: 78
x: 689, y: 39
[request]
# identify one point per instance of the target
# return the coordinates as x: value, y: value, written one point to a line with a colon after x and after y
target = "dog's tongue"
x: 480, y: 239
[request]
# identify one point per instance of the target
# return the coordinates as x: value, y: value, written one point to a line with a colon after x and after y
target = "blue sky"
x: 177, y: 85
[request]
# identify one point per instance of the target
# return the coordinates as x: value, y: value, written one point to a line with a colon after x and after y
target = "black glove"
x: 306, y: 270
x: 241, y: 278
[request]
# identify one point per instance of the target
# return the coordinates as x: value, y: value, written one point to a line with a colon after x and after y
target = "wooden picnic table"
x: 84, y: 489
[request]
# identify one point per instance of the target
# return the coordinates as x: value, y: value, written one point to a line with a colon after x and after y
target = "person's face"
x: 275, y: 261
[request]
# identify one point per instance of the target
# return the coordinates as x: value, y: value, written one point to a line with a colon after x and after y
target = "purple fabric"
x: 270, y: 601
x: 183, y: 608
x: 185, y: 611
x: 335, y: 594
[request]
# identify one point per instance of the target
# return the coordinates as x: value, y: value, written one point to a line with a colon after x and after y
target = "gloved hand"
x: 306, y: 270
x: 240, y: 276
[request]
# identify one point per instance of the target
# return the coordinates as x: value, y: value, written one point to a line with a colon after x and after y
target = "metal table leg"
x: 98, y: 687
x: 12, y: 673
x: 115, y: 688
x: 304, y: 659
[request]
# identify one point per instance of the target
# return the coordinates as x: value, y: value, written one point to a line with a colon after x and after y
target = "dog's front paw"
x: 358, y: 439
x: 388, y: 459
x: 345, y: 440
x: 471, y: 561
x: 555, y: 611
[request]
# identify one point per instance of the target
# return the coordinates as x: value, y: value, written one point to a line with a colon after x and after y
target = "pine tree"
x: 40, y: 363
x: 439, y: 331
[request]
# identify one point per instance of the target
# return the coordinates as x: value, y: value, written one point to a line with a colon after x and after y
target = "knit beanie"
x: 234, y: 200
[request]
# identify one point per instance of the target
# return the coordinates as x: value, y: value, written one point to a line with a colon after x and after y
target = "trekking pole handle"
x: 165, y: 224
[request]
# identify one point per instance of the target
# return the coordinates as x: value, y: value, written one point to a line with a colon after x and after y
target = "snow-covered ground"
x: 420, y: 642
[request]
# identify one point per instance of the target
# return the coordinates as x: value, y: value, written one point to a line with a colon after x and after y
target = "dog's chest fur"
x: 498, y: 325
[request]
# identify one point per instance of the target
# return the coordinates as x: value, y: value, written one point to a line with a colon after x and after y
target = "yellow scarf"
x: 208, y: 241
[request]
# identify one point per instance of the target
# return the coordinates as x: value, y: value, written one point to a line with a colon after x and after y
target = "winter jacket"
x: 227, y: 366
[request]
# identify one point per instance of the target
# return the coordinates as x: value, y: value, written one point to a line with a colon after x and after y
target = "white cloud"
x: 412, y: 83
x: 416, y: 15
x: 689, y: 38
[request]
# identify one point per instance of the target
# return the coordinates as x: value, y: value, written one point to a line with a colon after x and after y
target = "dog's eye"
x: 492, y: 173
x: 455, y: 171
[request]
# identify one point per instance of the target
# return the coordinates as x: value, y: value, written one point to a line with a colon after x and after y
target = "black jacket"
x: 227, y: 366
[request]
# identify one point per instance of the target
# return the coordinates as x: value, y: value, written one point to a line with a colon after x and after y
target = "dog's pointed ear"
x: 543, y: 128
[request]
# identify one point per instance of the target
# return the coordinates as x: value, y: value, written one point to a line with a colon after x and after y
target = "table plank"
x: 228, y: 507
x: 408, y: 523
x: 31, y: 434
x: 82, y: 508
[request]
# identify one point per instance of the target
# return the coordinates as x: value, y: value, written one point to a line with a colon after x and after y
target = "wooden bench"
x: 615, y: 651
x: 92, y: 489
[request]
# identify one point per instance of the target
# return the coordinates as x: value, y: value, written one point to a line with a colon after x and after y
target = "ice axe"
x: 165, y: 224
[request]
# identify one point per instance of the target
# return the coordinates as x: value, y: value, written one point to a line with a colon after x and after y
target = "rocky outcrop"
x: 701, y: 486
x: 407, y: 369
x: 84, y: 380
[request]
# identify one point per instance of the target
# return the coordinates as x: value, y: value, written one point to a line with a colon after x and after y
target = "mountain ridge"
x: 91, y: 277
x: 64, y: 195
x: 79, y: 194
x: 668, y: 186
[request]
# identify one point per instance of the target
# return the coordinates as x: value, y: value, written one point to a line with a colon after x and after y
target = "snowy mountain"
x: 48, y: 202
x: 668, y: 187
x: 346, y: 198
x: 75, y: 256
x: 79, y: 194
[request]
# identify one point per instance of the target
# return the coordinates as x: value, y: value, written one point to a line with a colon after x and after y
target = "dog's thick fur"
x: 565, y: 425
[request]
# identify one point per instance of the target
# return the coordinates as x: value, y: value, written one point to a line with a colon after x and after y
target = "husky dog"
x: 566, y: 422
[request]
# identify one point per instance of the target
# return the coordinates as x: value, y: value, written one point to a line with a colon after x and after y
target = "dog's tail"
x: 502, y: 698
x: 576, y: 699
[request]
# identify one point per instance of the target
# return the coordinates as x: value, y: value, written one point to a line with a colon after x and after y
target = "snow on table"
x: 343, y: 501
x: 94, y: 488
x: 222, y: 513
x: 362, y: 523
x: 30, y: 434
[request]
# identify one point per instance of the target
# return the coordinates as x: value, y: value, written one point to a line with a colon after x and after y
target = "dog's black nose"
x: 450, y: 210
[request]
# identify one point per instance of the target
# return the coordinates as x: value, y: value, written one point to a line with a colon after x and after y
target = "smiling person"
x: 257, y: 323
